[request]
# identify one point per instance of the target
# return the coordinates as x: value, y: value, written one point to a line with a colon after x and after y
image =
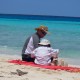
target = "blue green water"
x: 64, y: 35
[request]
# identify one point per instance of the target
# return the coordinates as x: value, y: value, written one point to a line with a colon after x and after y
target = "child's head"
x: 45, y: 42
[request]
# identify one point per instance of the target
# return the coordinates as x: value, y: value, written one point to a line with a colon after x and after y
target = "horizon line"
x: 38, y: 15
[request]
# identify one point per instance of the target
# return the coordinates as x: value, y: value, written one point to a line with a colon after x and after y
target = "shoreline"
x: 68, y: 60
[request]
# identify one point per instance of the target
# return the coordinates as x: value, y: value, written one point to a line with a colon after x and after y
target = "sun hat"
x: 44, y: 42
x: 42, y: 28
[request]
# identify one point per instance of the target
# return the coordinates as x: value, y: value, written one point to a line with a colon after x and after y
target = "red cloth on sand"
x: 71, y: 69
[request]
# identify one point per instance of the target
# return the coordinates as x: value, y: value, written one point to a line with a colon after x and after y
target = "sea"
x: 64, y: 34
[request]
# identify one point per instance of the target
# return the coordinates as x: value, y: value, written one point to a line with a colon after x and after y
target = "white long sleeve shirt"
x: 43, y: 55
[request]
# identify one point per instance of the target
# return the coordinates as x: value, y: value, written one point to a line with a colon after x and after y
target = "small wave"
x: 9, y: 50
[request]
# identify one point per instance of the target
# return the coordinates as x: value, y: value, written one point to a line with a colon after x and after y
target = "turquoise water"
x: 64, y: 35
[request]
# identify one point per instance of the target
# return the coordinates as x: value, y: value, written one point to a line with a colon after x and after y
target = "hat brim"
x: 42, y: 44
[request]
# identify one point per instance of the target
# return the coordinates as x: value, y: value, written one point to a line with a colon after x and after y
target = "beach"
x: 65, y: 36
x: 8, y: 71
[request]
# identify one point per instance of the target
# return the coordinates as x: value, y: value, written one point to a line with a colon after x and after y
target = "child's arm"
x: 55, y: 57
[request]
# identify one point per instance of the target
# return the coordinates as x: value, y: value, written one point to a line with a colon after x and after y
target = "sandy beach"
x: 8, y: 71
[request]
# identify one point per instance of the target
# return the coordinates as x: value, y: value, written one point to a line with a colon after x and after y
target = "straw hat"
x: 42, y: 28
x: 44, y: 42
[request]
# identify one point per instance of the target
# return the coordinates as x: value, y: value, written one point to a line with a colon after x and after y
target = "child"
x: 45, y: 53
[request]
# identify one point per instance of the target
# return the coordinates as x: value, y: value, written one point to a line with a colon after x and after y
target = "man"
x: 32, y: 43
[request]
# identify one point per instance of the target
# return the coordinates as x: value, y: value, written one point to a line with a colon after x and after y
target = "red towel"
x: 71, y: 69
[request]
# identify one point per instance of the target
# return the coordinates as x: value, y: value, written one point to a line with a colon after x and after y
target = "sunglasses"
x: 43, y: 32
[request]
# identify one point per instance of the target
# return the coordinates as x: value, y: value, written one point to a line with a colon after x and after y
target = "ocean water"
x: 64, y: 35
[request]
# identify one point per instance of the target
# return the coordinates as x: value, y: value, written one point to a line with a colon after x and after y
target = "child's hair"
x: 49, y: 45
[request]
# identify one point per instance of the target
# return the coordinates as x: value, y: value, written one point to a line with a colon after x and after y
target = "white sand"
x: 34, y: 73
